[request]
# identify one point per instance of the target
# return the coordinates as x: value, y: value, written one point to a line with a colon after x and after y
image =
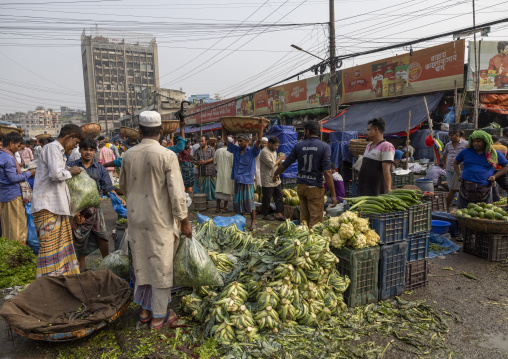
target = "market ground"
x: 478, y: 317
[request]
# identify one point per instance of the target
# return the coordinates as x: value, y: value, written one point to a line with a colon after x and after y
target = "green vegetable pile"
x: 83, y: 192
x: 501, y: 202
x: 395, y: 201
x: 482, y: 211
x: 18, y: 264
x: 348, y: 230
x: 284, y: 298
x: 121, y: 221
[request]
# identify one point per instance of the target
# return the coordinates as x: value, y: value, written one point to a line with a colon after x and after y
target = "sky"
x: 225, y: 47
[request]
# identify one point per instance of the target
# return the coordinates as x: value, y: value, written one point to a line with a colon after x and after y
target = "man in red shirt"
x: 499, y: 62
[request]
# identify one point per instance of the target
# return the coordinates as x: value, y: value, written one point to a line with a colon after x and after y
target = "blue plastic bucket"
x: 440, y: 227
x: 426, y: 185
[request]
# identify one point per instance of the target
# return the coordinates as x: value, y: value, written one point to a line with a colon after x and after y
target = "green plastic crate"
x: 402, y: 180
x: 420, y: 218
x: 361, y: 266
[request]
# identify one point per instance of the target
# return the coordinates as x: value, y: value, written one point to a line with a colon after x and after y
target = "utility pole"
x: 201, y: 117
x: 333, y: 76
x: 476, y: 77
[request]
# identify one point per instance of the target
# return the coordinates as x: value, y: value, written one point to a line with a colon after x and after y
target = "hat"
x: 150, y: 119
x: 245, y: 136
x: 264, y: 139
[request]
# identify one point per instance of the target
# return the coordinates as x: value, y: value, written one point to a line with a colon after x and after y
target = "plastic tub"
x: 440, y: 227
x: 426, y: 185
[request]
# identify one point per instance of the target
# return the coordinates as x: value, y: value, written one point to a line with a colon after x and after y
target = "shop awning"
x: 394, y: 112
x: 497, y: 103
x: 205, y: 128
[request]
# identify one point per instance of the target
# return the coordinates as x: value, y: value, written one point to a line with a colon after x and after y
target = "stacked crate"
x: 492, y: 247
x: 420, y: 219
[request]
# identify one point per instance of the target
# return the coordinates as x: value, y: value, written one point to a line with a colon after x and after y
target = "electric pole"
x: 333, y: 76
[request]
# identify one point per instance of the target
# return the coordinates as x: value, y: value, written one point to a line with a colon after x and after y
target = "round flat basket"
x: 242, y: 124
x: 357, y: 147
x: 7, y: 129
x: 480, y: 225
x: 130, y: 133
x: 43, y: 136
x: 91, y: 129
x: 170, y: 126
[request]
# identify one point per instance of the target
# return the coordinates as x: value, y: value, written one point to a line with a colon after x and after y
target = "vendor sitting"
x: 436, y: 173
x: 91, y: 220
x: 397, y: 157
x: 480, y: 162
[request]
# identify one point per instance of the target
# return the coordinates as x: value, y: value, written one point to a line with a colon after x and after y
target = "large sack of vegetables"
x: 83, y: 192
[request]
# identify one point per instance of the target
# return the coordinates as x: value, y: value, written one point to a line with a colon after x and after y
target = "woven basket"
x: 170, y: 126
x: 357, y: 147
x: 480, y: 225
x: 43, y: 136
x: 6, y: 129
x: 130, y: 133
x: 91, y: 129
x: 241, y: 124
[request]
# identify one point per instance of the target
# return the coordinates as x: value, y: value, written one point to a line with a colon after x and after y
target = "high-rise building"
x: 117, y: 67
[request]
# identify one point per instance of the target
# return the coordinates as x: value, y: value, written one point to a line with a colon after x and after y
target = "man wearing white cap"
x: 150, y: 176
x: 257, y: 177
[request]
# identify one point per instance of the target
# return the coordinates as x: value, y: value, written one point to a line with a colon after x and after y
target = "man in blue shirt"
x: 480, y: 161
x: 88, y: 226
x: 313, y: 158
x: 12, y: 210
x: 244, y: 169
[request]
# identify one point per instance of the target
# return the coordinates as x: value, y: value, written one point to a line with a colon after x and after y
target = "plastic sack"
x: 188, y: 200
x: 83, y: 192
x: 219, y: 221
x: 192, y: 267
x: 335, y: 211
x: 31, y: 239
x: 117, y: 262
x: 117, y: 206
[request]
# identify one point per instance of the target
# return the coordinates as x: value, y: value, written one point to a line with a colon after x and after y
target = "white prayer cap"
x: 150, y: 119
x: 264, y: 139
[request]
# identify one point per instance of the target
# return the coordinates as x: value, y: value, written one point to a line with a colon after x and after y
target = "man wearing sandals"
x: 268, y: 164
x: 151, y: 179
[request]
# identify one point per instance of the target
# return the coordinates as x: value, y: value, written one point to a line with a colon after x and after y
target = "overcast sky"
x: 229, y: 47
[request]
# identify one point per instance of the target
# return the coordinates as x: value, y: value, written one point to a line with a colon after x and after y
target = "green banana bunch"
x: 283, y: 270
x: 308, y: 291
x: 236, y: 289
x: 267, y: 318
x: 221, y: 261
x: 191, y: 303
x: 290, y: 249
x: 285, y: 228
x: 315, y: 274
x: 238, y: 239
x: 267, y: 298
x: 328, y: 260
x: 337, y: 282
x: 316, y: 306
x: 203, y: 291
x: 247, y: 335
x: 324, y: 315
x: 286, y: 310
x: 331, y: 301
x: 223, y: 332
x: 243, y: 318
x: 253, y: 288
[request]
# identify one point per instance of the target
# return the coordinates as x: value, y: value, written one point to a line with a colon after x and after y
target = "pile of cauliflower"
x: 348, y: 230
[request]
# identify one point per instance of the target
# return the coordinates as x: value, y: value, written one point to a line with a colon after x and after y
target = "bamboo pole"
x: 343, y: 122
x: 407, y: 140
x: 430, y: 122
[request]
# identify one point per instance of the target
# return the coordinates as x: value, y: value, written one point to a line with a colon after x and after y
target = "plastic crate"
x: 418, y: 246
x: 419, y: 218
x: 402, y: 180
x: 438, y: 200
x: 351, y: 189
x: 417, y: 274
x: 392, y: 269
x: 391, y: 227
x: 447, y: 217
x: 361, y: 266
x: 493, y: 247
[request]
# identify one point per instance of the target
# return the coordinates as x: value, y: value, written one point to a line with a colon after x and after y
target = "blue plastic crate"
x: 391, y: 227
x: 351, y: 189
x: 447, y: 217
x: 418, y: 246
x: 392, y: 270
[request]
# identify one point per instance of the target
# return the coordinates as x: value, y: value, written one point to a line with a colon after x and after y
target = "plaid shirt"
x: 98, y: 173
x: 50, y: 190
x: 105, y: 156
x: 200, y: 155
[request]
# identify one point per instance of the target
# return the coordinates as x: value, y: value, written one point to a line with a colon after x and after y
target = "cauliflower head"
x: 327, y: 233
x: 337, y: 241
x: 347, y: 217
x: 359, y: 241
x: 334, y: 222
x: 372, y: 238
x: 361, y: 224
x: 347, y: 230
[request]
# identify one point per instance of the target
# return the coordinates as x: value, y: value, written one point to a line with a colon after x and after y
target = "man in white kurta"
x: 224, y: 186
x: 150, y: 176
x: 257, y: 175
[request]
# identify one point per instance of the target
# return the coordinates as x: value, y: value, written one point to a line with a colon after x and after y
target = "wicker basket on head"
x: 481, y: 225
x: 42, y: 136
x: 91, y: 129
x: 7, y: 129
x: 357, y: 147
x: 130, y: 133
x: 242, y: 124
x: 170, y: 126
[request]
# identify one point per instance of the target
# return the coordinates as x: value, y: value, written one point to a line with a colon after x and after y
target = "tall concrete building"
x: 117, y: 68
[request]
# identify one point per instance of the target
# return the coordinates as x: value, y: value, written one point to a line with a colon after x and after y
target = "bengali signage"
x: 492, y: 67
x: 437, y: 68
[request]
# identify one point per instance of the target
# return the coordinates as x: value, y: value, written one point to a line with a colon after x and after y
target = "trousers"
x: 312, y: 204
x: 276, y: 193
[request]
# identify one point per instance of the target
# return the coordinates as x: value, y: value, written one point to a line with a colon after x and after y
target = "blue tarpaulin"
x: 394, y: 112
x: 339, y: 143
x: 288, y: 139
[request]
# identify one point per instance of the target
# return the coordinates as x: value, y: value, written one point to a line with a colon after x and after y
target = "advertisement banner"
x: 288, y: 97
x: 437, y: 68
x: 211, y: 112
x: 493, y: 66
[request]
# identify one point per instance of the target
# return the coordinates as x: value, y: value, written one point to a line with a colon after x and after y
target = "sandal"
x: 147, y: 319
x: 166, y: 321
x: 269, y: 218
x: 252, y: 227
x: 281, y: 218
